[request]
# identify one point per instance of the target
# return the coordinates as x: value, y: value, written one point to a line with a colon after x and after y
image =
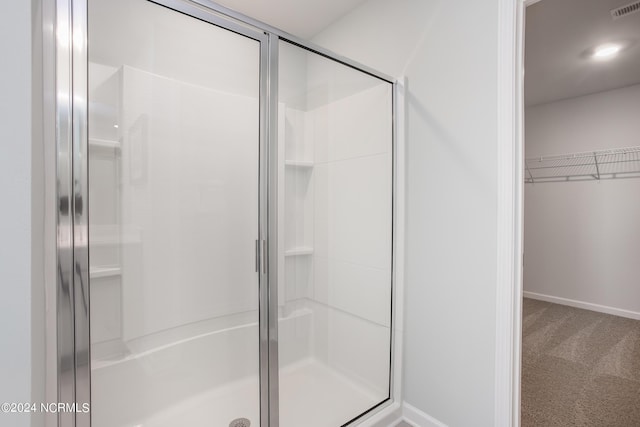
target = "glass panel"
x: 173, y: 160
x: 335, y: 267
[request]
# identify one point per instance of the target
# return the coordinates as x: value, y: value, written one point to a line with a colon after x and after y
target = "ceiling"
x: 302, y: 18
x: 559, y: 35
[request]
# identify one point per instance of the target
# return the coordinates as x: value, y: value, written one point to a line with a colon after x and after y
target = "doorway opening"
x: 581, y: 307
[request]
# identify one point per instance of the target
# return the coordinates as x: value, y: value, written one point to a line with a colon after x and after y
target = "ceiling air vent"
x: 625, y: 10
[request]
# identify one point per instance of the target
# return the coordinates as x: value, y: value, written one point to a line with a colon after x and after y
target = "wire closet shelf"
x: 587, y: 166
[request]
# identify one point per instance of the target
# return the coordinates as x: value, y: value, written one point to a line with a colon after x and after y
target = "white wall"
x: 189, y: 203
x: 448, y: 51
x: 22, y: 304
x: 115, y: 23
x: 582, y: 239
x: 15, y: 178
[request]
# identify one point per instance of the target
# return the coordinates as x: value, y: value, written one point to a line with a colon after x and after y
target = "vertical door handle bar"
x: 261, y: 255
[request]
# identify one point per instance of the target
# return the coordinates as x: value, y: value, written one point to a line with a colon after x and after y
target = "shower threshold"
x: 332, y: 400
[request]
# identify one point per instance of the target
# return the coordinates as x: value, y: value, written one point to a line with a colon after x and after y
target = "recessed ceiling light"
x: 606, y: 51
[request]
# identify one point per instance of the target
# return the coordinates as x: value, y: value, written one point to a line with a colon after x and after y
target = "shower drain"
x: 240, y: 422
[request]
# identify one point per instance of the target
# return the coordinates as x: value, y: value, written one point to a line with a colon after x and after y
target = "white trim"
x: 416, y: 417
x: 50, y: 208
x: 399, y: 236
x: 509, y: 215
x: 387, y: 417
x: 584, y: 305
x: 519, y: 214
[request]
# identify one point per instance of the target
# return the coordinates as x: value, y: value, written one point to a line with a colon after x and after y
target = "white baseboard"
x: 387, y: 417
x: 416, y: 417
x: 585, y: 305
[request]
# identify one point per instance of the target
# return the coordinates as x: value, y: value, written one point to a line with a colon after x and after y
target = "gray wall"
x: 15, y: 226
x: 448, y: 51
x: 22, y: 301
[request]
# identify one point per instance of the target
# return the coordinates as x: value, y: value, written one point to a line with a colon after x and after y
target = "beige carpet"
x: 579, y: 368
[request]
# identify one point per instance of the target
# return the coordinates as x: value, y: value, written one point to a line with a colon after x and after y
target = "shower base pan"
x: 330, y: 402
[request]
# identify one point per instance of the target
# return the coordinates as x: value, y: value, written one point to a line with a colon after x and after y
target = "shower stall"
x: 225, y: 222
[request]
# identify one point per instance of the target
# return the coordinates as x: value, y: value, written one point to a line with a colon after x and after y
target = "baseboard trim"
x: 585, y: 305
x: 387, y: 417
x: 416, y: 417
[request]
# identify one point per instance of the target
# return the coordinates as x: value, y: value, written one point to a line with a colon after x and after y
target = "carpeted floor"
x: 579, y: 367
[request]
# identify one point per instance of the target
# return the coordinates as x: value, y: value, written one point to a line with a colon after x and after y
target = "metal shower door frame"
x: 72, y: 293
x: 73, y: 358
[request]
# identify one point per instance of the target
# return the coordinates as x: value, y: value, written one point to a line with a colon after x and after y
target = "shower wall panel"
x: 352, y: 271
x: 189, y: 161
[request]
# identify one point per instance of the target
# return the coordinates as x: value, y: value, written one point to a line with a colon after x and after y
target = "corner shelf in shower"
x: 298, y: 164
x: 104, y: 144
x: 101, y: 272
x: 301, y: 250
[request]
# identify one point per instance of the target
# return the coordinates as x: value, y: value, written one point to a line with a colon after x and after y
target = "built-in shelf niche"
x: 103, y: 144
x: 297, y: 199
x: 103, y: 272
x: 304, y: 164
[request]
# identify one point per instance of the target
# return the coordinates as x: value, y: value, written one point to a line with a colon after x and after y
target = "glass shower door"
x: 336, y: 156
x: 174, y: 143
